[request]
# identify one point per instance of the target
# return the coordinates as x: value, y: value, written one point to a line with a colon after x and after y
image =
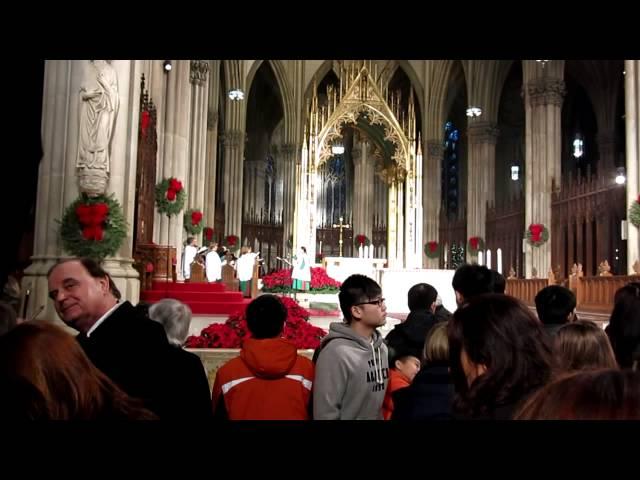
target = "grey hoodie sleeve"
x: 329, y: 385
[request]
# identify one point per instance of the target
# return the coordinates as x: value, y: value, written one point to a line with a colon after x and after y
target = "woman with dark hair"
x: 608, y: 394
x: 583, y: 345
x: 499, y: 355
x: 51, y: 378
x: 624, y: 326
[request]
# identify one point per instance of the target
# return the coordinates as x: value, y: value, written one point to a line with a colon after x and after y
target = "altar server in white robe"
x: 213, y: 264
x: 188, y: 256
x: 244, y: 267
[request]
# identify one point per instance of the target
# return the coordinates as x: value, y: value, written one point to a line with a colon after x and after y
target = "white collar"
x: 103, y: 318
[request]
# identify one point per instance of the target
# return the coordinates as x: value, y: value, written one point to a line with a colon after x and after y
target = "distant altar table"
x: 396, y: 282
x: 339, y: 268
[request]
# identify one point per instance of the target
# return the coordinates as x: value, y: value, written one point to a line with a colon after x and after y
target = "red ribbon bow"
x: 433, y: 246
x: 196, y: 217
x: 474, y: 242
x: 91, y: 218
x: 536, y: 230
x: 175, y: 186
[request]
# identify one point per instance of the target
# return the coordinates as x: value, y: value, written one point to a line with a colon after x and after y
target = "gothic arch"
x: 418, y: 88
x: 286, y: 95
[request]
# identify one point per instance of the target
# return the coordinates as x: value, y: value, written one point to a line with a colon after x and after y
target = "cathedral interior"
x: 406, y: 152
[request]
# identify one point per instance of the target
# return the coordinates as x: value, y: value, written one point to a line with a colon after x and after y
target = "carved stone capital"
x: 483, y: 132
x: 232, y: 138
x: 546, y: 92
x: 435, y: 149
x: 199, y: 72
x: 287, y: 149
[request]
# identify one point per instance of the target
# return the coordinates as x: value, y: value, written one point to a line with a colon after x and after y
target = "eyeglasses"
x: 377, y: 302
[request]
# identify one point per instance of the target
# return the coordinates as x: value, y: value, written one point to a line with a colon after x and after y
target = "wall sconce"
x: 620, y: 176
x: 167, y: 66
x: 515, y: 172
x: 474, y: 112
x: 236, y: 94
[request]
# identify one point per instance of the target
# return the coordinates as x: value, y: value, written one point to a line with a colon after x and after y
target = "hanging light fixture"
x: 515, y: 172
x: 167, y: 66
x: 620, y: 176
x: 337, y: 148
x: 236, y: 94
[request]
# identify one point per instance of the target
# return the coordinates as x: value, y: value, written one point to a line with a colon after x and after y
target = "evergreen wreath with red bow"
x: 474, y: 245
x: 207, y: 232
x: 193, y: 221
x: 432, y: 249
x: 537, y: 234
x: 93, y: 227
x: 170, y: 196
x: 634, y: 213
x: 231, y: 241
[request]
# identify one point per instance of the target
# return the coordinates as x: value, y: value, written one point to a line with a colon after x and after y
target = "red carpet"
x: 202, y: 298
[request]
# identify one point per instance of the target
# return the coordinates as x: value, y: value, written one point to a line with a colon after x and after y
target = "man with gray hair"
x: 190, y: 393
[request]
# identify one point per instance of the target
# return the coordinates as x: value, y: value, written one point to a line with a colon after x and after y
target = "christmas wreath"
x: 93, y: 227
x: 537, y: 234
x: 193, y: 221
x: 208, y: 233
x: 634, y: 213
x: 362, y: 239
x: 474, y: 245
x: 170, y: 196
x: 231, y: 241
x: 432, y: 249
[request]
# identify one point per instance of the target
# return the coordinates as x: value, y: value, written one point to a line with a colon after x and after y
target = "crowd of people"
x: 492, y: 358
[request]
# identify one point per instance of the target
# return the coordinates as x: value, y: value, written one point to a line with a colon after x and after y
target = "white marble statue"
x: 99, y: 107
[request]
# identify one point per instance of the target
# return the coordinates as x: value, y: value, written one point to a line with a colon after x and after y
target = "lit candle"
x: 489, y: 259
x: 499, y: 252
x: 480, y: 257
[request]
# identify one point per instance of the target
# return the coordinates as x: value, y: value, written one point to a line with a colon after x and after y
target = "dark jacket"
x: 189, y: 396
x: 429, y: 397
x: 408, y: 337
x: 134, y: 352
x: 442, y: 314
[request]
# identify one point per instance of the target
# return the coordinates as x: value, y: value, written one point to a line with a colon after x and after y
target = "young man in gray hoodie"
x: 352, y: 365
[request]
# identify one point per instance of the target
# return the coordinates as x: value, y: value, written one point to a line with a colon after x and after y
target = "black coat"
x: 407, y: 338
x: 189, y: 397
x: 429, y: 397
x: 134, y: 352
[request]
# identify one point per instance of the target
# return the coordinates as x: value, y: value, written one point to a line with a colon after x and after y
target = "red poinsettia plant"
x: 475, y: 244
x: 208, y: 233
x: 362, y: 240
x: 280, y: 281
x: 432, y: 249
x: 537, y: 234
x: 234, y: 331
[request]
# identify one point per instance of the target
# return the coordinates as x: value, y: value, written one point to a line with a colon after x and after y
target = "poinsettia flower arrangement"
x: 234, y: 331
x: 280, y: 281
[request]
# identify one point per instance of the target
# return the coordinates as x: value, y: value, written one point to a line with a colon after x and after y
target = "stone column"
x: 175, y: 152
x: 57, y: 177
x: 543, y: 102
x: 360, y: 190
x: 212, y: 145
x: 632, y: 125
x: 233, y: 176
x: 480, y: 177
x: 199, y: 79
x: 288, y: 153
x: 431, y: 197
